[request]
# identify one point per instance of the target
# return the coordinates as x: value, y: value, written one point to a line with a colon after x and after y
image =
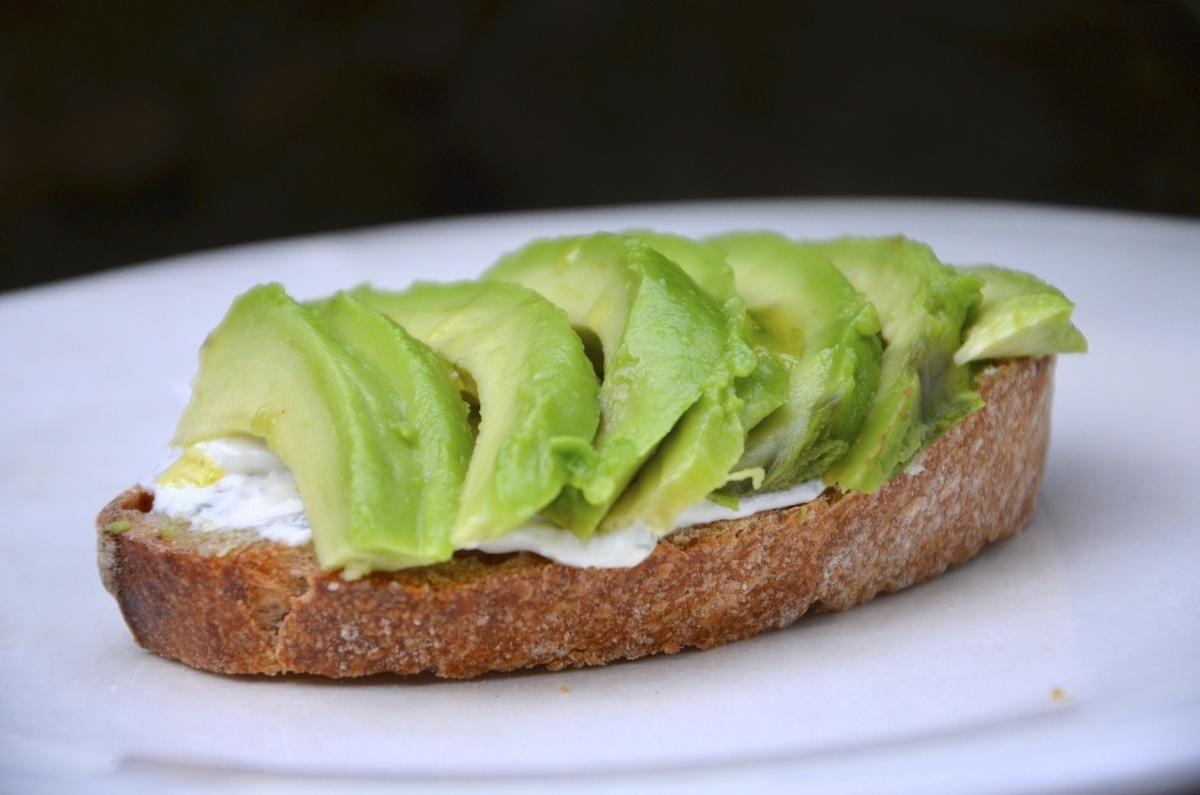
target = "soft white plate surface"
x: 1066, y: 658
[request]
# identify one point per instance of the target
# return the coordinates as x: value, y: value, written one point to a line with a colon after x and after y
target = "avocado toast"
x: 587, y: 391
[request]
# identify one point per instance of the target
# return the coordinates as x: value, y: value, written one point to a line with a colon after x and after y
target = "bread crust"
x: 231, y: 603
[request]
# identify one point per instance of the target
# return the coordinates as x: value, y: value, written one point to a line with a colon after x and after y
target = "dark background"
x: 132, y: 131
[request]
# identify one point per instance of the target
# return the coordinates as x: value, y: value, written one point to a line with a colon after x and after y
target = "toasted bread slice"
x: 232, y: 603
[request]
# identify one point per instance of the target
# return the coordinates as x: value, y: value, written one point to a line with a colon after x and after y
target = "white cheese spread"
x: 258, y: 492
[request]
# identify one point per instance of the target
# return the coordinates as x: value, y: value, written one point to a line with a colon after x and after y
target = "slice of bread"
x: 229, y: 602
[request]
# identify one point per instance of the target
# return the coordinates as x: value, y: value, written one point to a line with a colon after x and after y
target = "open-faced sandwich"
x: 606, y: 447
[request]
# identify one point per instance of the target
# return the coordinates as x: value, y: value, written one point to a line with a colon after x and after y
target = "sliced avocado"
x: 1020, y: 315
x: 705, y: 264
x: 537, y: 392
x: 694, y: 459
x: 766, y: 387
x: 274, y: 369
x: 665, y: 343
x: 827, y: 333
x: 432, y: 416
x: 922, y: 306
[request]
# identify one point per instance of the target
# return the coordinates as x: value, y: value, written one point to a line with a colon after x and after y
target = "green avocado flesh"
x: 766, y: 387
x: 665, y: 344
x: 537, y: 392
x: 431, y: 418
x: 364, y: 416
x: 922, y: 307
x: 618, y: 379
x: 810, y: 315
x: 1020, y: 315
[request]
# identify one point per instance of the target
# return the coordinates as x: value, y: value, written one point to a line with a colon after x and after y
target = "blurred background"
x: 131, y: 131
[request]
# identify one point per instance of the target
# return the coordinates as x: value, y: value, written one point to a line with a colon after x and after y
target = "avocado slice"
x: 922, y: 306
x: 665, y: 345
x: 811, y: 315
x: 538, y: 394
x: 432, y: 417
x: 766, y: 387
x: 277, y: 370
x: 693, y: 461
x: 1020, y: 315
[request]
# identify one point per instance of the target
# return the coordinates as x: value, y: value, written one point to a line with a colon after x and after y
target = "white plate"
x: 1068, y: 657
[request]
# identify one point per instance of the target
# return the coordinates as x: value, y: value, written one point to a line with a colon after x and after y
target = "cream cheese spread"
x: 258, y: 492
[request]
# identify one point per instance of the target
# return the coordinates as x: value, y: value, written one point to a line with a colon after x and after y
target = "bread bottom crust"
x: 230, y: 603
